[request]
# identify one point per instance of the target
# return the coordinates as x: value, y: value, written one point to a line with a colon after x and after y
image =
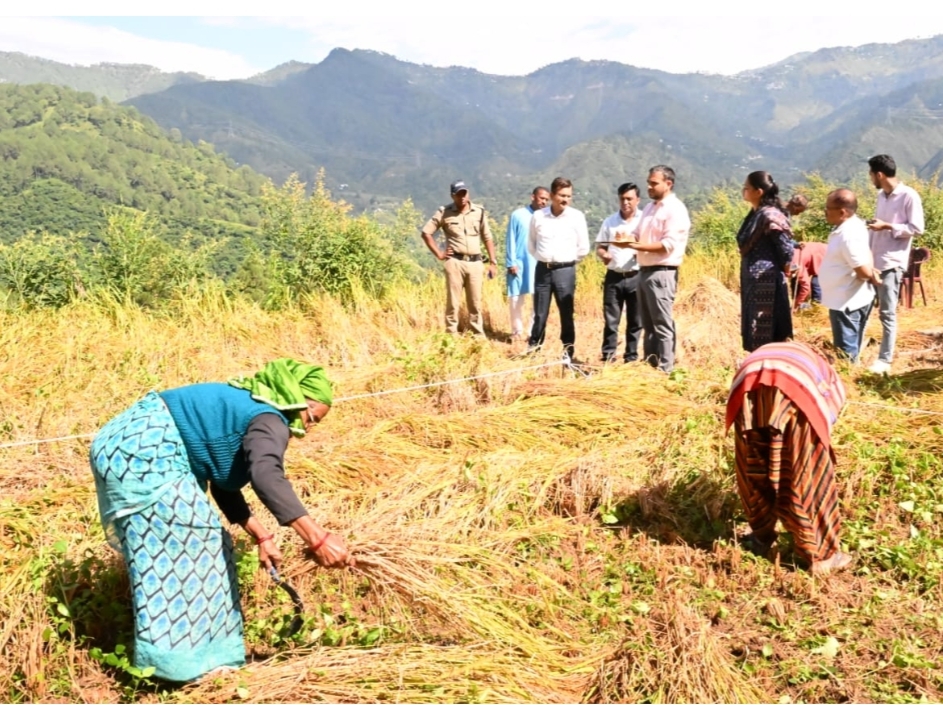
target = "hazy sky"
x: 508, y: 37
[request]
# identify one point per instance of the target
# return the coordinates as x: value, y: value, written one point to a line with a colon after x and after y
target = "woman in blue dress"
x: 153, y: 465
x: 766, y: 247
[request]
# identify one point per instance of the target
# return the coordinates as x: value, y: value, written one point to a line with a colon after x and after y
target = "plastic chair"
x: 911, y: 278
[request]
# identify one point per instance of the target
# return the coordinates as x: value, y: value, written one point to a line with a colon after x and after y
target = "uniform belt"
x: 661, y: 268
x: 558, y: 265
x: 465, y: 258
x: 624, y: 275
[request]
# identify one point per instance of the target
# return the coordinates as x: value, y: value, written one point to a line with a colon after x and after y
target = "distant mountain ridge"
x: 385, y: 129
x: 116, y: 82
x: 278, y: 74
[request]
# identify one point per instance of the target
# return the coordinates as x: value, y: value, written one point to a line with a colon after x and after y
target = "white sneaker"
x: 880, y: 367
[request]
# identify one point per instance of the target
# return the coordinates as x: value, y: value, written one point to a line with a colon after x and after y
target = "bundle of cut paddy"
x: 413, y: 673
x: 673, y: 657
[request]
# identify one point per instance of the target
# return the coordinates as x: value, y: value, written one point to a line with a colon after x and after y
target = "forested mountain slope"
x: 66, y: 157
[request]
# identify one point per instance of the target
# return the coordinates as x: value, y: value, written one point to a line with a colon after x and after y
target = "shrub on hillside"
x: 932, y: 196
x: 714, y: 227
x: 40, y: 270
x: 318, y: 247
x: 134, y: 263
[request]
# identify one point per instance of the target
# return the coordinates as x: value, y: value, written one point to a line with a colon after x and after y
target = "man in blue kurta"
x: 519, y: 262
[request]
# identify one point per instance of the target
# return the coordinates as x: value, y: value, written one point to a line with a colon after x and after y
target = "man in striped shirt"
x: 783, y: 403
x: 898, y: 217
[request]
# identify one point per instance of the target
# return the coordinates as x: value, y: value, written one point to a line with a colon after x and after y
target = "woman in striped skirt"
x: 782, y: 404
x: 153, y: 465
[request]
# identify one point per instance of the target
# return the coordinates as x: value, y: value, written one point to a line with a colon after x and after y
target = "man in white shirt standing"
x: 897, y: 218
x: 621, y: 284
x: 661, y: 238
x: 846, y: 274
x: 558, y: 240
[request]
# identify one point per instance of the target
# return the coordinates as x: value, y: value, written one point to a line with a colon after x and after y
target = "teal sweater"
x: 212, y: 419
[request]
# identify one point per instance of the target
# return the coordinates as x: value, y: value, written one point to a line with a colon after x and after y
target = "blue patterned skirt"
x: 187, y: 614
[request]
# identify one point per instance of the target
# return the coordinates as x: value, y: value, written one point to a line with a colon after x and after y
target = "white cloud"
x: 502, y: 43
x: 73, y: 42
x: 504, y: 37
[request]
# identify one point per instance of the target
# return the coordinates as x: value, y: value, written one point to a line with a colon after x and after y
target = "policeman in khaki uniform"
x: 465, y: 225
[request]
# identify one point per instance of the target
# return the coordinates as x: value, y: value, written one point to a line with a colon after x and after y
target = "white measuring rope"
x: 450, y: 381
x: 342, y: 399
x: 46, y: 440
x: 566, y: 363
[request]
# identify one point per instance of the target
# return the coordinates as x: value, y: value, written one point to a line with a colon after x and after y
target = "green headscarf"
x: 286, y: 384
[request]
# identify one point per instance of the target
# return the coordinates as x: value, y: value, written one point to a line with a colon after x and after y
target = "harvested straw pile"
x: 707, y: 317
x: 412, y: 521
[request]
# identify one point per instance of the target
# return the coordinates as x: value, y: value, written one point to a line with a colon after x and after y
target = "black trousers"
x: 621, y: 292
x: 561, y: 285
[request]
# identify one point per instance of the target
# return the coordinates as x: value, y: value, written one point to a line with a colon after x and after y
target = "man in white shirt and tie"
x: 620, y: 287
x: 558, y: 240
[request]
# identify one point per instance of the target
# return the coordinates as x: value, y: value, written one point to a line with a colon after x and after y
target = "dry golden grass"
x: 476, y: 511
